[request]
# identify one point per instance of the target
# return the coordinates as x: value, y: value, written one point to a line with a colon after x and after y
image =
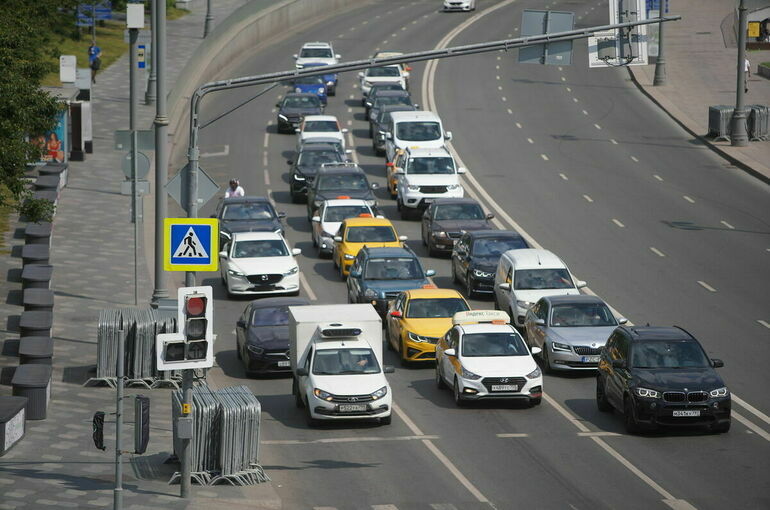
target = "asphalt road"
x: 590, y: 169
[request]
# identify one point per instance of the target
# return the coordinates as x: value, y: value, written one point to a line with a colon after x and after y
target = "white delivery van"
x: 336, y: 357
x: 416, y: 129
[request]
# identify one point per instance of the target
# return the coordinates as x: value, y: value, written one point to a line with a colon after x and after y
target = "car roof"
x: 334, y: 202
x: 390, y: 108
x: 439, y: 152
x: 247, y: 199
x: 392, y: 92
x: 476, y: 234
x: 578, y: 298
x: 341, y: 169
x: 657, y: 333
x: 318, y: 147
x: 388, y: 251
x: 486, y: 328
x: 278, y: 301
x: 366, y: 221
x: 315, y: 140
x: 256, y: 236
x: 415, y: 115
x: 433, y: 293
x: 300, y: 94
x: 386, y: 54
x: 320, y: 117
x: 531, y: 258
x: 317, y: 44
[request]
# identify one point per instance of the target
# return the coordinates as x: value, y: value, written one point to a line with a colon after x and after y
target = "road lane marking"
x: 753, y: 410
x: 751, y: 426
x: 267, y: 139
x: 574, y: 100
x: 384, y: 507
x: 613, y: 141
x: 350, y: 122
x: 303, y: 281
x: 224, y: 152
x: 585, y: 112
x: 499, y: 87
x: 510, y: 112
x: 352, y: 96
x: 328, y: 440
x: 559, y: 67
x: 657, y: 251
x: 512, y: 435
x: 688, y: 199
x: 707, y: 286
x: 267, y: 177
x: 658, y: 177
x: 634, y: 159
x: 563, y: 78
x: 618, y: 223
x: 504, y: 98
x: 602, y: 433
x: 269, y: 194
x: 350, y: 109
x: 497, y: 66
x: 577, y: 423
x: 545, y: 158
x: 597, y: 126
x: 569, y: 89
x: 764, y: 323
x: 264, y: 158
x: 497, y: 78
x: 518, y: 125
x: 723, y: 222
x: 588, y: 199
x: 530, y: 140
x: 563, y: 176
x: 353, y: 147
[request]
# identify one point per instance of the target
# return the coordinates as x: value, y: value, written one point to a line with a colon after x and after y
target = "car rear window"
x: 383, y: 71
x: 247, y: 212
x: 435, y: 308
x: 259, y: 248
x: 301, y: 102
x: 316, y: 53
x: 325, y: 126
x: 414, y: 131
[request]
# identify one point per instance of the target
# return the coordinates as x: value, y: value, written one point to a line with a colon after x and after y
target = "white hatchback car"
x: 259, y: 263
x: 316, y: 53
x: 329, y: 218
x: 324, y: 126
x: 484, y: 357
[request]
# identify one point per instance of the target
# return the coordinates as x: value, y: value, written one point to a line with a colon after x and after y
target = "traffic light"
x: 192, y: 347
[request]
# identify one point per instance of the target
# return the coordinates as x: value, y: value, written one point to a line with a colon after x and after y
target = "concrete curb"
x: 676, y: 118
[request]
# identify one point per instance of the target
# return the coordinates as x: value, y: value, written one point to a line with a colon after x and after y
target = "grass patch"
x: 766, y: 64
x: 175, y: 13
x: 6, y: 210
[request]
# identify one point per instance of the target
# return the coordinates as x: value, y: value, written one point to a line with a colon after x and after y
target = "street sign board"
x: 142, y: 165
x: 145, y: 139
x: 178, y: 185
x: 191, y: 244
x: 534, y: 22
x: 140, y: 48
x: 68, y: 68
x: 621, y: 47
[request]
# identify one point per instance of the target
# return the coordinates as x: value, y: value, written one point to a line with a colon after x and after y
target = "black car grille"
x: 680, y: 396
x: 588, y: 351
x: 264, y: 279
x: 280, y: 355
x: 351, y: 399
x: 392, y: 295
x: 432, y: 189
x: 454, y: 235
x: 489, y: 381
x: 697, y: 396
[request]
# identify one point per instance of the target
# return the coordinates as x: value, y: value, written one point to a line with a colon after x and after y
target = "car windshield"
x: 309, y: 80
x: 259, y: 248
x: 575, y: 315
x: 345, y: 361
x: 326, y: 141
x: 459, y: 212
x: 317, y: 158
x: 343, y: 182
x: 487, y: 247
x: 401, y: 268
x: 371, y: 234
x: 431, y: 166
x: 383, y: 71
x: 668, y: 354
x: 316, y: 53
x: 493, y: 344
x: 388, y: 100
x: 272, y: 316
x: 325, y: 126
x: 246, y: 211
x: 384, y: 86
x: 435, y: 308
x: 418, y: 131
x: 533, y: 279
x: 302, y: 102
x: 341, y: 212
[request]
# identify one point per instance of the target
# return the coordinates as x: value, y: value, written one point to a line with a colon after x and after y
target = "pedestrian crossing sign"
x: 191, y: 244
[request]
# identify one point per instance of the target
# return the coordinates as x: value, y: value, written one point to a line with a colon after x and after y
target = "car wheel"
x: 458, y: 397
x: 405, y: 213
x: 297, y: 397
x: 379, y: 152
x: 720, y: 428
x: 546, y: 360
x: 535, y: 401
x: 238, y: 351
x: 393, y: 192
x: 295, y: 198
x: 385, y: 420
x: 332, y: 91
x: 311, y: 422
x: 601, y: 397
x: 632, y: 426
x: 469, y: 287
x: 431, y: 251
x: 398, y: 205
x: 315, y: 242
x: 455, y: 279
x: 440, y: 384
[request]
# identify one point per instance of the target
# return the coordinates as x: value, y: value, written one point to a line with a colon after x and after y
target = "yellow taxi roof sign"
x: 481, y: 316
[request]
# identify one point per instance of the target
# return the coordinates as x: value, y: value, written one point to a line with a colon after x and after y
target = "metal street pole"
x: 161, y: 147
x: 660, y: 62
x: 118, y: 491
x: 739, y: 136
x: 149, y: 95
x: 186, y: 453
x: 209, y: 19
x: 133, y: 100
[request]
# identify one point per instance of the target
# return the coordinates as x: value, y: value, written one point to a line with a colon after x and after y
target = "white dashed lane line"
x: 510, y: 112
x: 575, y: 100
x: 545, y: 158
x: 618, y: 223
x: 564, y: 177
x: 499, y: 87
x: 267, y: 178
x: 657, y: 251
x: 585, y: 112
x: 658, y: 177
x: 688, y: 199
x: 512, y: 435
x: 597, y: 126
x: 612, y: 140
x: 706, y: 286
x: 563, y: 78
x: 530, y: 140
x: 518, y: 125
x: 764, y: 323
x: 504, y: 99
x: 723, y: 222
x: 569, y: 89
x: 588, y: 199
x: 634, y: 159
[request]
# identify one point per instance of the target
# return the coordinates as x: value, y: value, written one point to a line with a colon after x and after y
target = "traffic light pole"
x: 118, y: 491
x: 133, y: 35
x: 185, y: 456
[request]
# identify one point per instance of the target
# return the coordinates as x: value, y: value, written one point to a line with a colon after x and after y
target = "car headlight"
x: 452, y: 186
x: 370, y: 202
x: 561, y: 347
x: 321, y: 90
x: 298, y: 177
x: 299, y: 66
x: 719, y: 392
x: 283, y: 117
x: 438, y: 233
x: 317, y: 203
x: 255, y: 349
x: 233, y: 272
x: 293, y: 270
x: 646, y: 393
x: 323, y: 395
x: 417, y: 338
x: 412, y: 187
x: 298, y: 90
x: 478, y: 273
x: 467, y: 374
x: 348, y: 256
x: 534, y: 374
x: 329, y: 83
x: 523, y: 304
x: 380, y: 393
x: 370, y: 294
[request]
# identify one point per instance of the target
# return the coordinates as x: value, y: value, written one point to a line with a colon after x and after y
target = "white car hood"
x: 432, y: 179
x: 263, y: 265
x: 438, y: 143
x: 500, y: 366
x: 332, y: 227
x: 383, y: 79
x: 354, y: 384
x: 533, y: 295
x: 316, y: 60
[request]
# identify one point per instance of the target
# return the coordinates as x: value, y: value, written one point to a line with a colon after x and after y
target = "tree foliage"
x: 26, y: 111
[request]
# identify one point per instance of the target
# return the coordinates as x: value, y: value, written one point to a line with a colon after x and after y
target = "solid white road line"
x: 563, y: 176
x: 588, y: 199
x: 723, y: 222
x: 598, y: 434
x: 512, y: 435
x: 304, y: 283
x: 267, y: 177
x: 634, y: 159
x: 754, y: 428
x: 328, y: 440
x: 545, y: 158
x: 618, y: 223
x: 384, y: 507
x: 224, y: 152
x: 658, y: 177
x: 688, y: 199
x: 764, y: 323
x: 657, y: 252
x: 577, y: 423
x: 753, y: 410
x: 707, y: 286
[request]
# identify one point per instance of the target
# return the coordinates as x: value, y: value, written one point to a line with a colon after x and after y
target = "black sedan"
x: 246, y: 214
x: 293, y: 107
x: 475, y: 257
x: 661, y: 376
x: 387, y: 97
x: 306, y: 165
x: 446, y: 219
x: 345, y: 179
x: 262, y: 335
x: 376, y: 89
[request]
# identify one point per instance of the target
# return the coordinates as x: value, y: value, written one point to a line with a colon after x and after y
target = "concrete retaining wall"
x: 763, y: 71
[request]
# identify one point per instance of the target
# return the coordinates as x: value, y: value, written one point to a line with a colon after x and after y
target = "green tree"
x: 26, y: 111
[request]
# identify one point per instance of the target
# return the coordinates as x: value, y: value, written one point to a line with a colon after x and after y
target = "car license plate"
x: 685, y: 414
x: 505, y: 387
x: 352, y: 408
x: 589, y: 359
x: 284, y: 363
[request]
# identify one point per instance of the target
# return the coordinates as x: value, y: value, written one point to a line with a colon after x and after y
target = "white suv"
x: 417, y: 129
x: 316, y: 53
x: 384, y: 74
x: 425, y: 175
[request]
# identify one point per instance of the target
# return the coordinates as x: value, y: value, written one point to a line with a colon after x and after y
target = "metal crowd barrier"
x: 140, y: 326
x: 759, y: 120
x: 719, y: 121
x: 225, y: 444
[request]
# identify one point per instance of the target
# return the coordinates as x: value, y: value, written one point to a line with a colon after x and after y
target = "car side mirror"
x: 337, y: 56
x: 448, y: 135
x: 490, y: 216
x: 348, y: 151
x: 388, y: 369
x: 396, y: 314
x: 223, y: 254
x: 504, y: 286
x: 277, y: 105
x: 316, y: 219
x: 281, y: 214
x: 380, y: 216
x: 450, y: 352
x: 536, y: 350
x: 717, y: 363
x: 344, y: 130
x: 580, y: 284
x: 618, y: 363
x: 289, y: 162
x: 622, y: 320
x: 374, y: 185
x: 539, y: 322
x: 416, y: 106
x: 389, y: 136
x: 368, y: 104
x: 296, y: 251
x: 337, y: 239
x: 430, y: 272
x: 360, y: 75
x: 301, y: 371
x: 356, y: 273
x: 295, y: 56
x: 241, y: 324
x: 212, y: 216
x: 462, y: 170
x: 296, y: 130
x: 403, y: 238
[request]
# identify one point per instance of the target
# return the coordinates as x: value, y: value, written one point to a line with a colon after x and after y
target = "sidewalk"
x: 701, y: 62
x: 56, y: 464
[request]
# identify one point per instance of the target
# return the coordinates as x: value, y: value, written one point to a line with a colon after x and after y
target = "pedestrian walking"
x: 746, y: 74
x: 94, y: 59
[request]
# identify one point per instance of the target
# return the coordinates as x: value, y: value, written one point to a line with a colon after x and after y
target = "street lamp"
x: 739, y: 136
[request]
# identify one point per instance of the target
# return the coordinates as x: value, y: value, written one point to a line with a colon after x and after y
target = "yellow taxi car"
x: 355, y: 233
x: 393, y: 169
x: 418, y: 318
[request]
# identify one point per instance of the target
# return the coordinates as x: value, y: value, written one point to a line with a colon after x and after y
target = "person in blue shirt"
x: 94, y: 59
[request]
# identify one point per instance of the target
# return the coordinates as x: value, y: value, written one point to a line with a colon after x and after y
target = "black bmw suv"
x: 476, y: 254
x: 661, y: 376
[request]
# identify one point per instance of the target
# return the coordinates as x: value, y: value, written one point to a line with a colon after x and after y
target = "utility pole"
x: 739, y: 136
x: 149, y: 95
x: 161, y: 141
x: 133, y: 34
x: 209, y: 19
x: 660, y: 62
x: 121, y: 363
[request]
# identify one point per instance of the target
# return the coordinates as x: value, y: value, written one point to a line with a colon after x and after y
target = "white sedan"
x: 329, y: 218
x: 326, y: 126
x: 484, y: 357
x: 259, y: 263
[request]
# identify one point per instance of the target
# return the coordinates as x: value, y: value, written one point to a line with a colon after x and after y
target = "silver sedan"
x: 570, y: 330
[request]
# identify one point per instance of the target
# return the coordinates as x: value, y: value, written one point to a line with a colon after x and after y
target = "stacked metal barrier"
x: 719, y: 121
x: 759, y: 122
x: 140, y: 326
x: 225, y: 444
